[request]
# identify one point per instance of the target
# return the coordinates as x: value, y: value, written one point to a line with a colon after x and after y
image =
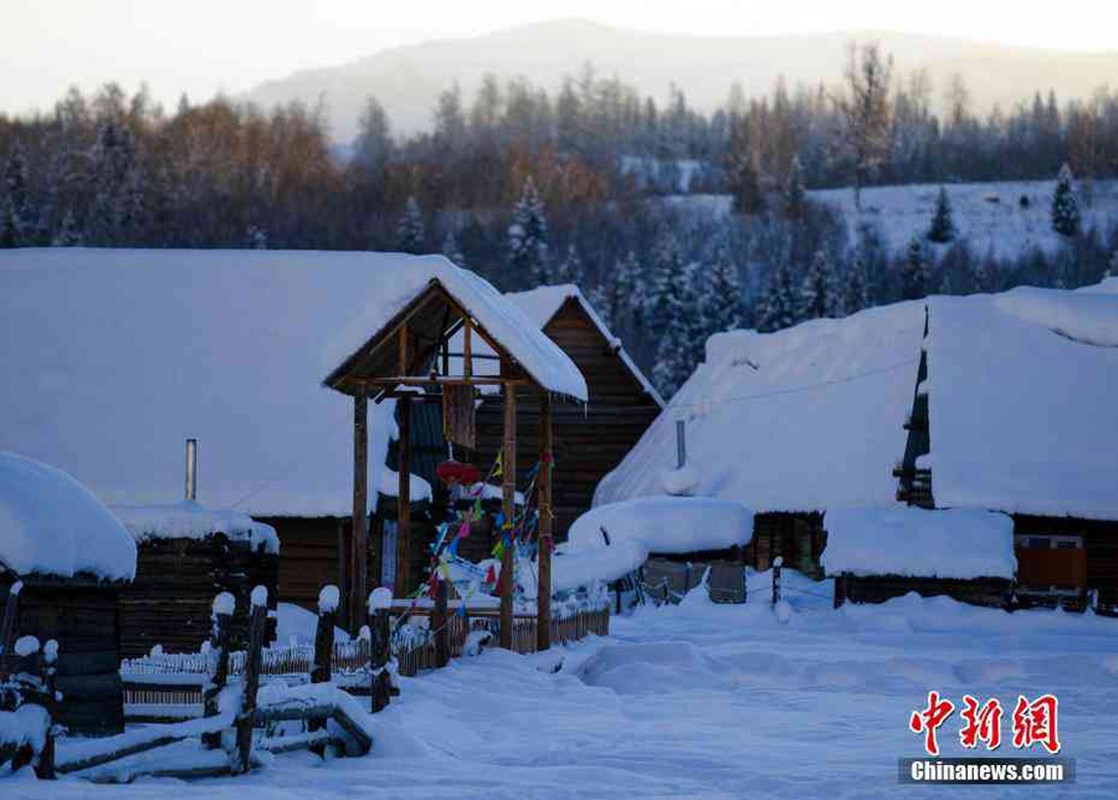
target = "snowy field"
x: 705, y: 701
x: 990, y: 216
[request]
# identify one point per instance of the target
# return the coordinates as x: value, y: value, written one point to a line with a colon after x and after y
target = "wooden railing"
x: 168, y: 686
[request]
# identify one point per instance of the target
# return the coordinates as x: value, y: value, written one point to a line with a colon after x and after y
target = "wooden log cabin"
x: 187, y: 554
x: 991, y: 403
x: 70, y: 558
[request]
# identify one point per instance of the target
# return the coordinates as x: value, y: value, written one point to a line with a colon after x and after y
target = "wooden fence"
x: 168, y: 686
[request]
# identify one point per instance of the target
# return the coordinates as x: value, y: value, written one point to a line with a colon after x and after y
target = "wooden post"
x: 467, y: 348
x: 8, y: 626
x: 342, y: 570
x: 840, y: 589
x: 222, y: 618
x: 543, y: 558
x: 324, y: 635
x: 247, y: 717
x: 322, y: 670
x: 48, y: 663
x: 359, y: 542
x: 380, y: 604
x: 778, y: 562
x: 508, y: 509
x: 403, y: 498
x: 440, y: 622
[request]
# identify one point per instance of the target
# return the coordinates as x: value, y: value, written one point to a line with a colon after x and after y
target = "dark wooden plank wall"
x: 83, y: 618
x: 797, y: 537
x: 589, y: 442
x: 170, y: 602
x: 879, y: 588
x: 309, y: 555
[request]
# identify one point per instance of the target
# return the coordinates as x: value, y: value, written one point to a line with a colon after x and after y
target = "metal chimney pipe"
x: 192, y: 469
x: 680, y: 444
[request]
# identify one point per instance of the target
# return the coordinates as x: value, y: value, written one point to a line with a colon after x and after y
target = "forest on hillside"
x: 526, y: 186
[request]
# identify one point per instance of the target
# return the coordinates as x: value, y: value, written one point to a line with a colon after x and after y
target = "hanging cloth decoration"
x: 459, y: 421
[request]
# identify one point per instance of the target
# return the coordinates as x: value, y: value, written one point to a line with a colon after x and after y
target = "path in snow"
x: 712, y: 702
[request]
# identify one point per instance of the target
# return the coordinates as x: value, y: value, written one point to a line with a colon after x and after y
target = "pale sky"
x: 204, y: 46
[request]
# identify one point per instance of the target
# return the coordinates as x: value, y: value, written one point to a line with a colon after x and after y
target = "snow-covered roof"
x: 911, y: 541
x: 52, y: 525
x: 541, y: 358
x: 540, y: 305
x: 800, y: 420
x: 190, y: 520
x: 1021, y: 389
x: 543, y: 303
x: 111, y: 358
x: 636, y: 528
x: 1021, y: 399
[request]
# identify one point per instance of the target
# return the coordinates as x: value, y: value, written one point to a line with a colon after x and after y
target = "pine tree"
x: 942, y: 229
x: 67, y: 234
x: 666, y: 279
x: 817, y: 290
x: 681, y: 333
x: 777, y: 308
x: 570, y: 268
x: 118, y: 185
x: 19, y: 224
x: 1065, y: 207
x: 720, y: 296
x: 527, y: 237
x: 630, y: 290
x: 914, y: 272
x: 1112, y: 268
x: 746, y: 189
x: 855, y: 293
x: 452, y: 251
x: 410, y: 232
x: 795, y: 196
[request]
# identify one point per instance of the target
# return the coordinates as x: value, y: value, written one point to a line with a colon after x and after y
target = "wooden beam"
x: 403, y: 497
x: 404, y: 349
x: 359, y: 541
x: 427, y: 380
x: 468, y: 349
x: 543, y: 559
x: 508, y: 509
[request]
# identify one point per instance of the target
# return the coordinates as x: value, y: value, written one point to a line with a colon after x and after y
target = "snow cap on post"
x: 224, y: 603
x: 259, y: 596
x: 50, y: 651
x: 328, y: 599
x: 26, y: 646
x: 17, y: 587
x: 380, y: 599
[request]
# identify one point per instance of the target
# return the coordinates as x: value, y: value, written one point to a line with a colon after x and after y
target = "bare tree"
x: 864, y: 111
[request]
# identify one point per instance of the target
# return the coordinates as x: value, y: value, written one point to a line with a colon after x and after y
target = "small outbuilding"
x: 878, y: 553
x: 68, y: 557
x: 187, y: 554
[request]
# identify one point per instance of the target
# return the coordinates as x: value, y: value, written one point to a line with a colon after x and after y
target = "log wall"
x: 587, y: 442
x: 879, y: 588
x: 83, y: 618
x: 170, y: 602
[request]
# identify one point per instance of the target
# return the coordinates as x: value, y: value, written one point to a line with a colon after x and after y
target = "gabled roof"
x: 448, y: 292
x: 1021, y: 387
x: 543, y: 303
x: 800, y: 420
x: 109, y: 359
x: 1023, y: 402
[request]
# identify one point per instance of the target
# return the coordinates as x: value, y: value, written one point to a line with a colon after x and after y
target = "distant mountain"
x: 406, y: 80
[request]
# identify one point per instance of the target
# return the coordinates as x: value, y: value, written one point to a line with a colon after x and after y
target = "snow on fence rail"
x: 165, y: 686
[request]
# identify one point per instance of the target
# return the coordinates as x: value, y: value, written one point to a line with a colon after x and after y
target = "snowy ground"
x: 989, y: 215
x: 711, y: 701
